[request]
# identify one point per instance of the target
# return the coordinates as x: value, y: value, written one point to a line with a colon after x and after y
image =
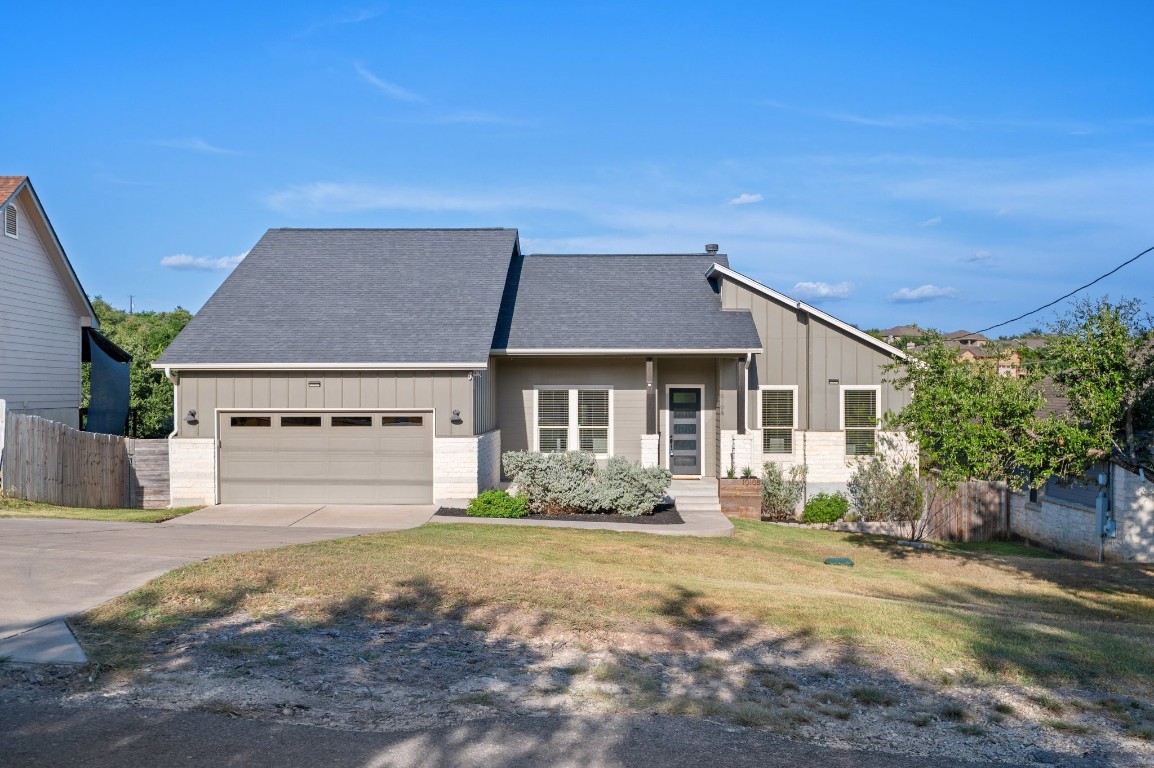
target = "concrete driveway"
x: 52, y: 569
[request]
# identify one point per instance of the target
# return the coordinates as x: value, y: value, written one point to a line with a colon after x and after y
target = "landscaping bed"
x: 664, y: 515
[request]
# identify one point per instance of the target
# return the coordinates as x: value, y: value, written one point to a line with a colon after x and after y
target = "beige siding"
x: 39, y: 327
x: 786, y: 334
x: 518, y: 377
x: 444, y: 391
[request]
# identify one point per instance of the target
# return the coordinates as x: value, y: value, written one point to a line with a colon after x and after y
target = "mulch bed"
x: 663, y: 515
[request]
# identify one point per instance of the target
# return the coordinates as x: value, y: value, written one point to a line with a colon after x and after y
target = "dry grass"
x: 20, y: 508
x: 986, y: 617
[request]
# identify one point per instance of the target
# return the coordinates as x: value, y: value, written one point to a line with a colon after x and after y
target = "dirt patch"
x: 416, y: 671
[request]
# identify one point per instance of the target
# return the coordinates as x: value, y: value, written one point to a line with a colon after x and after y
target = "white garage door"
x: 323, y: 457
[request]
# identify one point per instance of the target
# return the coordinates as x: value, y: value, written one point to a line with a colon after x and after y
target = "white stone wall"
x: 465, y: 466
x: 192, y: 471
x: 650, y: 450
x: 740, y: 451
x: 488, y: 461
x: 1133, y: 502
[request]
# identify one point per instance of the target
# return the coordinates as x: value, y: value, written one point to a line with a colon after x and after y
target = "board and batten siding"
x: 40, y: 326
x: 787, y: 334
x: 520, y: 376
x: 206, y: 391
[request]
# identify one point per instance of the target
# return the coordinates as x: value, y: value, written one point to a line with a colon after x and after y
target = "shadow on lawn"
x: 417, y: 657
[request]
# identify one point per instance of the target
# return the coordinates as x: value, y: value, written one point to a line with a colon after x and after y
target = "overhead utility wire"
x: 1068, y: 295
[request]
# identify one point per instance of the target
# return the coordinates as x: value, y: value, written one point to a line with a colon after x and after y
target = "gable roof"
x: 19, y: 190
x: 354, y: 298
x: 749, y: 282
x: 573, y: 304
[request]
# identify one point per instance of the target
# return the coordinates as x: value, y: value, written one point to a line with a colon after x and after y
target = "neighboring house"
x: 47, y: 325
x: 896, y: 334
x: 364, y: 366
x: 1007, y: 361
x: 967, y: 339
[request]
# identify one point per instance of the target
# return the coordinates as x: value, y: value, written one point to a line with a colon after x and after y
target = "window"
x: 573, y: 419
x: 10, y: 221
x: 352, y: 421
x: 251, y: 421
x: 778, y: 419
x: 300, y: 421
x: 859, y: 420
x: 402, y: 421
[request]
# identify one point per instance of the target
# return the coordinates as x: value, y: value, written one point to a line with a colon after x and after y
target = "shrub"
x: 498, y: 504
x: 826, y: 508
x: 882, y: 492
x: 571, y: 482
x: 780, y: 494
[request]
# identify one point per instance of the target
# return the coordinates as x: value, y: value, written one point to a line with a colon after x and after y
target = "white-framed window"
x: 859, y: 418
x: 11, y: 221
x: 778, y: 418
x: 574, y: 419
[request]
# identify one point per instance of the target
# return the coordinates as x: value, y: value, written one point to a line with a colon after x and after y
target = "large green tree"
x: 1101, y: 359
x: 144, y: 335
x: 970, y: 422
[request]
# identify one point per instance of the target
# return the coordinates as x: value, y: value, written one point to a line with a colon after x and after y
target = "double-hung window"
x: 573, y: 419
x: 859, y: 416
x: 778, y: 419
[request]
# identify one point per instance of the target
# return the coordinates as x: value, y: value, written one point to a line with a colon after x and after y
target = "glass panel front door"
x: 685, y: 431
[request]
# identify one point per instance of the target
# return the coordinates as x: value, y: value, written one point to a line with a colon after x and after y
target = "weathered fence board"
x: 977, y: 512
x: 51, y: 463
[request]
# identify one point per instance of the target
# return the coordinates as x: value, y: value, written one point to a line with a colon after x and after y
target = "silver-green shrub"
x: 571, y: 482
x: 781, y: 494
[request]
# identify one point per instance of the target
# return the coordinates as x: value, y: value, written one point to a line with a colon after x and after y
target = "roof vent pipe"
x: 711, y: 247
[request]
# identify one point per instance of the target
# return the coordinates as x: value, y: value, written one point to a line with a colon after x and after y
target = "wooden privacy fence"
x: 979, y: 511
x: 49, y: 462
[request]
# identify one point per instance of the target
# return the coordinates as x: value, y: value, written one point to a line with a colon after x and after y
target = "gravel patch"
x: 422, y: 672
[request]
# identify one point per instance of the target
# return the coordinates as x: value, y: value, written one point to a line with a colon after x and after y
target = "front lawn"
x: 983, y: 617
x: 20, y: 508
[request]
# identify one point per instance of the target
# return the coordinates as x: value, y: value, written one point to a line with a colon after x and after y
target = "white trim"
x: 667, y: 434
x: 760, y: 427
x: 321, y: 366
x: 752, y: 284
x: 615, y: 351
x: 573, y: 427
x: 877, y: 410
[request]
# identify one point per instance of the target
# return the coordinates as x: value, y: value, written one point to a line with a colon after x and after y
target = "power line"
x: 1068, y: 295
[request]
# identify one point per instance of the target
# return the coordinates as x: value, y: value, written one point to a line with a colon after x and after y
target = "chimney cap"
x: 711, y: 247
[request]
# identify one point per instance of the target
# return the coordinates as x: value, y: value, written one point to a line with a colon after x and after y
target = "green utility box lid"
x: 839, y: 561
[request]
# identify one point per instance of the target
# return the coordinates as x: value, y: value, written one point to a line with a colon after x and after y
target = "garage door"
x: 326, y: 458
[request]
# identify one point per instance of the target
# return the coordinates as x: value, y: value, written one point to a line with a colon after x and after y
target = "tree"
x: 1101, y: 359
x: 970, y: 422
x: 143, y: 335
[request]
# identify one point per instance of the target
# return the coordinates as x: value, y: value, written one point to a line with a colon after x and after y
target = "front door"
x: 685, y: 431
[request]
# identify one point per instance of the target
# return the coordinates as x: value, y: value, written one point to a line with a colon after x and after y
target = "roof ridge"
x: 392, y: 229
x: 703, y: 254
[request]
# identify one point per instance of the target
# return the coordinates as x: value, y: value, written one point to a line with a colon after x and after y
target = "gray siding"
x: 519, y: 376
x: 677, y: 372
x: 484, y: 402
x: 787, y: 335
x: 445, y: 391
x: 39, y: 327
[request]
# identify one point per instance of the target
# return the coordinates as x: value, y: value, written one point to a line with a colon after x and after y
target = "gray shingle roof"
x: 638, y: 302
x: 355, y: 296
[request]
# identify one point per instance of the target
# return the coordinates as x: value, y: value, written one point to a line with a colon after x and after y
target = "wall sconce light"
x: 190, y: 417
x: 456, y: 417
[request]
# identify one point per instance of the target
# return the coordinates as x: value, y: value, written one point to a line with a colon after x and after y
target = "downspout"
x: 175, y: 405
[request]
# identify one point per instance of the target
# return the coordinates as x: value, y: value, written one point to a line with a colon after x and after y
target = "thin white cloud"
x: 932, y: 222
x: 336, y: 197
x: 203, y: 263
x: 818, y: 292
x: 356, y: 17
x: 980, y: 258
x: 195, y: 144
x: 920, y: 294
x: 745, y: 199
x: 392, y: 90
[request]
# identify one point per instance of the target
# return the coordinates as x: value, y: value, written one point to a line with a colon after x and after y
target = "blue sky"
x: 892, y: 162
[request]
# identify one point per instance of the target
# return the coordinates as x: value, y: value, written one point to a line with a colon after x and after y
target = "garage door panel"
x: 293, y: 461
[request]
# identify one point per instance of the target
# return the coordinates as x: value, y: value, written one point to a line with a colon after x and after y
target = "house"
x: 967, y: 339
x: 896, y: 334
x: 392, y: 365
x: 47, y: 325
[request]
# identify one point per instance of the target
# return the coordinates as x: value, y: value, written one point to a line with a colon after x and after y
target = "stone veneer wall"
x: 1072, y: 528
x: 192, y: 471
x: 650, y: 447
x: 465, y: 466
